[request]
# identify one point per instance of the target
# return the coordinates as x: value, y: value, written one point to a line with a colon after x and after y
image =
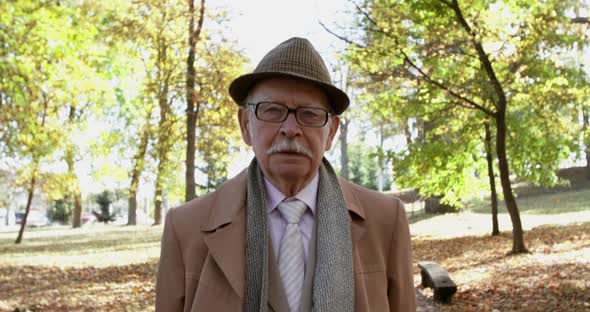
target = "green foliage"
x: 218, y: 134
x: 422, y: 77
x: 448, y: 168
x: 104, y: 200
x: 362, y: 166
x: 61, y: 210
x: 83, y: 80
x: 537, y: 148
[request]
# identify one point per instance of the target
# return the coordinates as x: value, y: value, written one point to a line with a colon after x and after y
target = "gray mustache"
x: 289, y: 146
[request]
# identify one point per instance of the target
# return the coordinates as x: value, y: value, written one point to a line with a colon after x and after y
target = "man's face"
x: 274, y: 143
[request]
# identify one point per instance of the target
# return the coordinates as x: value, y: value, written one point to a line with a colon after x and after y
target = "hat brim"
x: 240, y: 87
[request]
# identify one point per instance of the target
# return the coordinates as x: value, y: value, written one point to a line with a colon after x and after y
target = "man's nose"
x: 290, y: 127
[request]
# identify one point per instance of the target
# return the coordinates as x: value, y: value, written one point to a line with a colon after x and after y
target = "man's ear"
x: 244, y: 120
x: 333, y: 129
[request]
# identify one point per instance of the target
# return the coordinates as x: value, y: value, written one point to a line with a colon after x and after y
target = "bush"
x: 61, y: 210
x: 104, y: 200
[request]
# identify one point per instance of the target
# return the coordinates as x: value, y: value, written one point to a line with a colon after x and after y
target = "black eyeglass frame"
x: 289, y: 111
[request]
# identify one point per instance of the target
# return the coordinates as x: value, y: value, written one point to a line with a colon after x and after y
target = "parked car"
x: 18, y: 217
x: 35, y: 218
x: 88, y: 219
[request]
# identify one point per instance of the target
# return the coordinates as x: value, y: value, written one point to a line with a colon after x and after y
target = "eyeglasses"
x: 275, y: 112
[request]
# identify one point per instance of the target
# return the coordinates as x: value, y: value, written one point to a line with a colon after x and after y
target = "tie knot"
x: 292, y: 209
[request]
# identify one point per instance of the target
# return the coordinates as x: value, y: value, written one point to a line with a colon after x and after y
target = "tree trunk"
x: 586, y: 136
x: 344, y: 171
x: 19, y: 238
x: 190, y: 108
x: 137, y: 169
x: 77, y: 217
x: 75, y: 190
x: 158, y: 198
x: 585, y: 109
x: 408, y: 133
x: 165, y: 127
x: 518, y: 245
x: 380, y: 162
x: 75, y: 185
x: 191, y: 113
x: 420, y: 130
x: 163, y: 150
x: 163, y: 147
x: 132, y: 208
x: 493, y: 194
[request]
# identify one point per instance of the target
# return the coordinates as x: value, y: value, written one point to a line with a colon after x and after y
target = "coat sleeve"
x: 170, y: 278
x: 400, y: 292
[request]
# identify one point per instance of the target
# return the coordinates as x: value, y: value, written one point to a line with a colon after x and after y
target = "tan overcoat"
x: 202, y: 262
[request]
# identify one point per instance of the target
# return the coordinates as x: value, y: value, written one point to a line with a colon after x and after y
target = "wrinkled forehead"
x: 292, y: 92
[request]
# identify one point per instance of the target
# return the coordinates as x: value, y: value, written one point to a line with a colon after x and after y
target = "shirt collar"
x: 308, y: 195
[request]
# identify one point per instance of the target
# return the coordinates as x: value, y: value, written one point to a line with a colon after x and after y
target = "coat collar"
x: 229, y: 203
x: 352, y: 202
x: 232, y: 197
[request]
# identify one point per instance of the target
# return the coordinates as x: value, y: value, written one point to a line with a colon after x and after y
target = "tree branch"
x: 350, y: 42
x: 483, y: 57
x: 425, y: 76
x: 581, y: 20
x: 468, y: 102
x: 200, y: 22
x: 446, y: 88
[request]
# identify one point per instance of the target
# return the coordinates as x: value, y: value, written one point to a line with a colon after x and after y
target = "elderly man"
x: 287, y: 234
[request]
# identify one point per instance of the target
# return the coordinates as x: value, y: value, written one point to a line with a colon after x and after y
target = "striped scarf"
x: 333, y: 288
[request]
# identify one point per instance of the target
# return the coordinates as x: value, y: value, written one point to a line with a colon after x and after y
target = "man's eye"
x: 310, y: 114
x: 272, y: 110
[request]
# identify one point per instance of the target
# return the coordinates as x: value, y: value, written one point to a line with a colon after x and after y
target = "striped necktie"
x: 291, y: 255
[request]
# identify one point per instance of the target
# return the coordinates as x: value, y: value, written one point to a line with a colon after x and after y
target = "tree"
x: 87, y: 62
x: 63, y: 43
x: 219, y: 135
x: 192, y: 113
x: 157, y: 32
x: 30, y: 131
x: 159, y: 37
x: 453, y: 59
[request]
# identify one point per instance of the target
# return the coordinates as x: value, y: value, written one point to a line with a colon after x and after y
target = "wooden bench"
x: 436, y: 277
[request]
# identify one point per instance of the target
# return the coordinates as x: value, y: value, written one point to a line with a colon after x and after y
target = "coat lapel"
x: 224, y: 232
x: 357, y: 230
x: 356, y: 212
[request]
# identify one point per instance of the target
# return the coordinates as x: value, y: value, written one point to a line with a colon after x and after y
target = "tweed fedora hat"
x: 294, y: 58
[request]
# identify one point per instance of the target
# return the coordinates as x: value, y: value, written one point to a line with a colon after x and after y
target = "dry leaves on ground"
x: 554, y: 276
x: 114, y: 288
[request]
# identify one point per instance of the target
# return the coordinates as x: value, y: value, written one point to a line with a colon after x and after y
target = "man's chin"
x: 289, y: 164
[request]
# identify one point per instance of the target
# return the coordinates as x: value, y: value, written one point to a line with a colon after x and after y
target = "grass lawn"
x: 112, y: 268
x: 548, y: 204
